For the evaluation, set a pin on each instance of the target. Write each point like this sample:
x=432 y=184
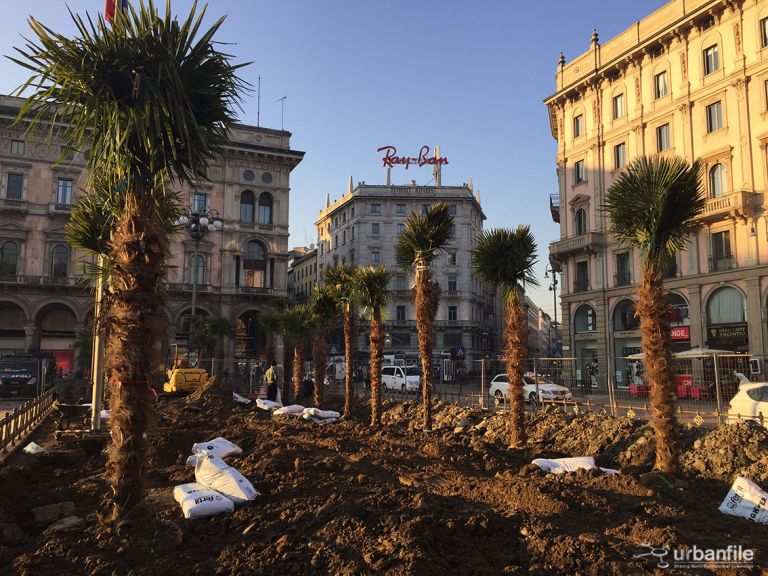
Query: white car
x=548 y=390
x=749 y=402
x=402 y=378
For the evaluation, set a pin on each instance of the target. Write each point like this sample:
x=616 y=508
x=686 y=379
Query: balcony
x=721 y=264
x=11 y=204
x=581 y=285
x=450 y=293
x=402 y=294
x=589 y=242
x=737 y=205
x=187 y=287
x=554 y=207
x=54 y=208
x=622 y=278
x=18 y=280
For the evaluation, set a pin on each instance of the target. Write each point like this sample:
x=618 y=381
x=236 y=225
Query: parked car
x=403 y=378
x=750 y=400
x=548 y=390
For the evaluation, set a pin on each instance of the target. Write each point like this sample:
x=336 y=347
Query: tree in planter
x=338 y=279
x=296 y=324
x=143 y=131
x=370 y=290
x=324 y=312
x=423 y=237
x=505 y=258
x=653 y=206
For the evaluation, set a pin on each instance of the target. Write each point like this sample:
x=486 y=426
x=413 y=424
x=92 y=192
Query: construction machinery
x=184 y=377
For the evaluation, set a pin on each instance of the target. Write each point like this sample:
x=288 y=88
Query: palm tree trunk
x=377 y=355
x=349 y=354
x=516 y=351
x=288 y=353
x=652 y=308
x=298 y=370
x=134 y=322
x=426 y=308
x=319 y=357
x=271 y=347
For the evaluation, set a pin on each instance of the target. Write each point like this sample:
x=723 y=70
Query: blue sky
x=361 y=74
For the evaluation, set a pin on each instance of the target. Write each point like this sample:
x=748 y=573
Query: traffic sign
x=460 y=352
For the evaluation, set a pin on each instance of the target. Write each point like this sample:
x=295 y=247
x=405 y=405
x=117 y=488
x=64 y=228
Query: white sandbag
x=240 y=399
x=212 y=472
x=608 y=470
x=183 y=490
x=105 y=414
x=560 y=465
x=746 y=499
x=33 y=448
x=293 y=410
x=322 y=413
x=206 y=503
x=317 y=420
x=268 y=404
x=220 y=447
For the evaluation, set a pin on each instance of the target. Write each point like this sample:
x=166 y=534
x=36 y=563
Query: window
x=343 y=217
x=375 y=228
x=15 y=189
x=199 y=203
x=721 y=251
x=400 y=314
x=452 y=209
x=60 y=261
x=764 y=33
x=336 y=222
x=717 y=183
x=424 y=208
x=662 y=138
x=247 y=207
x=400 y=283
x=714 y=117
x=582 y=277
x=9 y=259
x=622 y=269
x=578 y=125
x=452 y=339
x=375 y=208
x=344 y=237
x=335 y=240
x=197 y=270
x=400 y=209
x=453 y=313
x=660 y=88
x=255 y=265
x=618 y=106
x=17 y=147
x=400 y=228
x=624 y=317
x=352 y=212
x=727 y=306
x=581 y=222
x=578 y=172
x=619 y=155
x=375 y=258
x=451 y=258
x=451 y=284
x=64 y=191
x=585 y=319
x=265 y=208
x=711 y=60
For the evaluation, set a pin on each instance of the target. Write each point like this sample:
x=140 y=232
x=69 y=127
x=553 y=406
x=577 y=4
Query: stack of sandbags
x=270 y=405
x=292 y=410
x=320 y=416
x=212 y=472
x=197 y=501
x=747 y=500
x=220 y=447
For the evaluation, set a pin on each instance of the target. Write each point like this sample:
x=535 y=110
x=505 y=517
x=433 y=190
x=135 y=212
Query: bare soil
x=348 y=499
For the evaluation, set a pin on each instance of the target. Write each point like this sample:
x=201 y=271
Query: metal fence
x=22 y=420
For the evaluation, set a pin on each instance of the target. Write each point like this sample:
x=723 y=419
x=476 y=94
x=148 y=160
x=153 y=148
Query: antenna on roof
x=258 y=103
x=282 y=111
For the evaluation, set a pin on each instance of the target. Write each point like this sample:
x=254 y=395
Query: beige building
x=237 y=271
x=302 y=273
x=691 y=79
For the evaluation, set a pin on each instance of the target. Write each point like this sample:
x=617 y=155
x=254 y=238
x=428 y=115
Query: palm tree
x=270 y=323
x=423 y=237
x=296 y=323
x=653 y=206
x=211 y=331
x=324 y=311
x=143 y=131
x=370 y=289
x=505 y=258
x=339 y=280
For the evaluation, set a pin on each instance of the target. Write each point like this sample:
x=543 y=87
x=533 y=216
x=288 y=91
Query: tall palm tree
x=211 y=331
x=324 y=312
x=143 y=131
x=370 y=289
x=505 y=258
x=653 y=206
x=339 y=280
x=423 y=237
x=270 y=323
x=297 y=326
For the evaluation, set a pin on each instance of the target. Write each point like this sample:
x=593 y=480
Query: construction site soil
x=348 y=499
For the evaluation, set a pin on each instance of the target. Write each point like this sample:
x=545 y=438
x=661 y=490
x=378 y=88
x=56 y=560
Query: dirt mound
x=729 y=451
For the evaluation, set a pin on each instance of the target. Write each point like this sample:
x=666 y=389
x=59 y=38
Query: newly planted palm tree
x=370 y=289
x=505 y=258
x=339 y=281
x=653 y=206
x=150 y=98
x=422 y=239
x=324 y=313
x=210 y=332
x=270 y=323
x=297 y=326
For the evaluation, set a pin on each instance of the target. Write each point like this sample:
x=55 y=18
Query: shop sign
x=725 y=331
x=391 y=159
x=681 y=333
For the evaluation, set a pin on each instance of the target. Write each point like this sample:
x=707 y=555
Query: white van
x=405 y=379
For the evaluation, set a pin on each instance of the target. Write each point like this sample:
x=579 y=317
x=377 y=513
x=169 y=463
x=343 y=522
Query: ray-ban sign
x=391 y=159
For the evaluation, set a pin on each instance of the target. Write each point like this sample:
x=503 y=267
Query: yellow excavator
x=184 y=377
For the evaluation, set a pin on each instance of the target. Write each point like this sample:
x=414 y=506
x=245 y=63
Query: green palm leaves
x=424 y=236
x=505 y=257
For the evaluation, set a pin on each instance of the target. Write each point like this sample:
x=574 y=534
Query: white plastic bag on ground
x=325 y=414
x=33 y=448
x=240 y=399
x=183 y=490
x=317 y=420
x=268 y=404
x=220 y=447
x=560 y=465
x=293 y=410
x=206 y=503
x=212 y=472
x=746 y=499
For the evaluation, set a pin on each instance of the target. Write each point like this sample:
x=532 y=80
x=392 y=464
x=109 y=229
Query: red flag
x=113 y=5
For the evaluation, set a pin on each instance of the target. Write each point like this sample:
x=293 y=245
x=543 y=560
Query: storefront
x=626 y=342
x=585 y=347
x=679 y=323
x=727 y=320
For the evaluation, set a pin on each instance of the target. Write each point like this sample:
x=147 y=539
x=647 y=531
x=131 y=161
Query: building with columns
x=690 y=79
x=238 y=272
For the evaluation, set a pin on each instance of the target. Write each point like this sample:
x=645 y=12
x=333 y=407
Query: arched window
x=678 y=310
x=197 y=269
x=255 y=265
x=247 y=207
x=585 y=319
x=265 y=208
x=717 y=184
x=624 y=316
x=60 y=261
x=726 y=306
x=581 y=222
x=9 y=259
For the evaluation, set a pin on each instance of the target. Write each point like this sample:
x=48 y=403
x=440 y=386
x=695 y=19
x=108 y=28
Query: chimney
x=349 y=187
x=327 y=199
x=389 y=176
x=470 y=184
x=436 y=172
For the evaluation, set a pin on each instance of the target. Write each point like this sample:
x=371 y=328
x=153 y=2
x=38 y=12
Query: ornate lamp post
x=198 y=224
x=553 y=289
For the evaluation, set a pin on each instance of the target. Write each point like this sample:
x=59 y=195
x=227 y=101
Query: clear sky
x=469 y=77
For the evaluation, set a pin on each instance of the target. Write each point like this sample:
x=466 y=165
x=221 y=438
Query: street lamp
x=553 y=289
x=198 y=224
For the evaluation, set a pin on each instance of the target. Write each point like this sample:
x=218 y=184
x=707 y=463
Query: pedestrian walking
x=270 y=378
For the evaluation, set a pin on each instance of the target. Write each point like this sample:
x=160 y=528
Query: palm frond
x=504 y=257
x=424 y=235
x=370 y=286
x=338 y=279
